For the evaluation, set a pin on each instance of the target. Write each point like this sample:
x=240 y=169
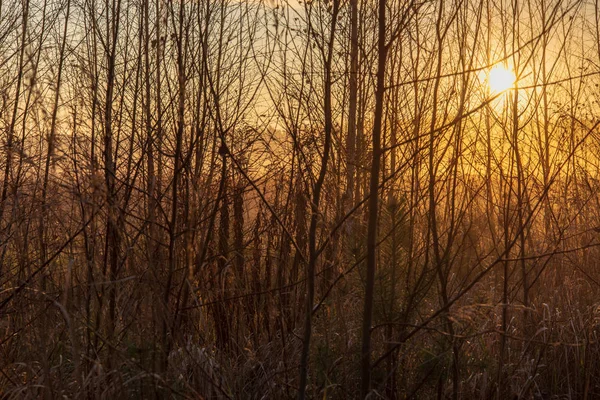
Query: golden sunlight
x=500 y=78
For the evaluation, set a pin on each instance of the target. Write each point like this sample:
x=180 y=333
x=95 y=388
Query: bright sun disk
x=500 y=79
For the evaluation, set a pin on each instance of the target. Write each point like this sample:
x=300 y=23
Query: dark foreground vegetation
x=328 y=199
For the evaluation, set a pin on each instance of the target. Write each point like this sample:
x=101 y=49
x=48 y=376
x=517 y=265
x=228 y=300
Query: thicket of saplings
x=330 y=199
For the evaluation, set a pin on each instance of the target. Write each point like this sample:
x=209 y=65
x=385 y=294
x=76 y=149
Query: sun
x=500 y=78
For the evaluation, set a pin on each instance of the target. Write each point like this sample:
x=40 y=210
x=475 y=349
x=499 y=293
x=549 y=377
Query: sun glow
x=500 y=79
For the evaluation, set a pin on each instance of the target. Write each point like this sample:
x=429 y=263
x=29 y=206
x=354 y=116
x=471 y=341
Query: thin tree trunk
x=315 y=204
x=373 y=205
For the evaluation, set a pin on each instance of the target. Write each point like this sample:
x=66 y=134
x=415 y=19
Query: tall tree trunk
x=315 y=204
x=353 y=99
x=373 y=206
x=111 y=247
x=15 y=112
